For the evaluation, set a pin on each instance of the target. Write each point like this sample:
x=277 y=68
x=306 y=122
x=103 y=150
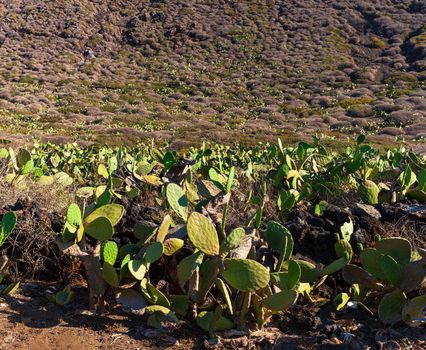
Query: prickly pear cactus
x=203 y=234
x=109 y=252
x=172 y=245
x=280 y=301
x=100 y=228
x=390 y=307
x=114 y=213
x=369 y=192
x=232 y=241
x=279 y=239
x=74 y=215
x=177 y=200
x=245 y=275
x=7 y=225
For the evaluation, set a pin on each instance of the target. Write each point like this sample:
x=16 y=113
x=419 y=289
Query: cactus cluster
x=186 y=258
x=392 y=270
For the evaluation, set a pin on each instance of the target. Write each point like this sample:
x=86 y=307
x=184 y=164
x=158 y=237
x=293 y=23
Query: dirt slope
x=124 y=70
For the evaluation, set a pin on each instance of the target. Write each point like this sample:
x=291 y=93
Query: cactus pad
x=398 y=248
x=205 y=318
x=114 y=212
x=177 y=200
x=109 y=252
x=100 y=228
x=390 y=307
x=109 y=274
x=369 y=192
x=203 y=234
x=137 y=269
x=232 y=241
x=188 y=265
x=370 y=260
x=353 y=274
x=172 y=245
x=280 y=301
x=153 y=252
x=74 y=215
x=279 y=239
x=164 y=228
x=246 y=275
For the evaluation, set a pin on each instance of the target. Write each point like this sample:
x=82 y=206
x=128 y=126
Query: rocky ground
x=123 y=71
x=28 y=320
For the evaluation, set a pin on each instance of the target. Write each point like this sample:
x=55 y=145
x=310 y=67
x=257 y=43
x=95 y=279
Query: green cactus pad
x=221 y=285
x=188 y=265
x=414 y=311
x=209 y=271
x=123 y=267
x=137 y=269
x=370 y=260
x=172 y=245
x=145 y=292
x=353 y=274
x=109 y=252
x=279 y=239
x=397 y=247
x=114 y=212
x=293 y=274
x=232 y=241
x=280 y=301
x=418 y=195
x=177 y=200
x=245 y=275
x=131 y=249
x=390 y=307
x=100 y=228
x=144 y=168
x=289 y=279
x=163 y=311
x=203 y=234
x=74 y=215
x=343 y=249
x=23 y=157
x=157 y=297
x=180 y=303
x=103 y=171
x=144 y=231
x=391 y=269
x=341 y=300
x=153 y=252
x=333 y=267
x=109 y=274
x=205 y=319
x=369 y=192
x=8 y=223
x=309 y=272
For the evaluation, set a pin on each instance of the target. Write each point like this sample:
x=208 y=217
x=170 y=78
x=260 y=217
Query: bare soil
x=29 y=321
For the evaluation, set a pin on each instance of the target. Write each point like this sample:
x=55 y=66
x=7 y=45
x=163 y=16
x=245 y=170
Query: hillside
x=124 y=71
